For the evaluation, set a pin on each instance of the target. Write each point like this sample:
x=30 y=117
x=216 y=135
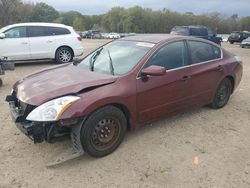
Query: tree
x=7 y=11
x=69 y=17
x=24 y=11
x=118 y=19
x=43 y=13
x=78 y=24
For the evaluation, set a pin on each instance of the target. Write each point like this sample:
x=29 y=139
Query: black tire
x=222 y=94
x=231 y=42
x=98 y=140
x=1 y=82
x=64 y=55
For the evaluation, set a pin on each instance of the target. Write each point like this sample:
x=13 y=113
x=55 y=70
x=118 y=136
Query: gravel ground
x=199 y=148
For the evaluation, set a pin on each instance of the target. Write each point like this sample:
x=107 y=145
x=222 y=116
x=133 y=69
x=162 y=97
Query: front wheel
x=103 y=131
x=222 y=94
x=64 y=55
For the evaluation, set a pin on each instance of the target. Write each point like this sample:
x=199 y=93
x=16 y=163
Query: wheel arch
x=125 y=111
x=121 y=107
x=64 y=46
x=232 y=80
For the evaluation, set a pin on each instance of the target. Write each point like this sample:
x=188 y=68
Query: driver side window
x=17 y=32
x=170 y=56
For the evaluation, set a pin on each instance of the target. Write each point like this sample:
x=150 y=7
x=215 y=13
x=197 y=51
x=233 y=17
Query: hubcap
x=223 y=94
x=64 y=56
x=105 y=134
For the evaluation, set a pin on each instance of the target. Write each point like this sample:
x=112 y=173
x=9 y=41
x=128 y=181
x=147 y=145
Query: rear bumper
x=245 y=44
x=78 y=51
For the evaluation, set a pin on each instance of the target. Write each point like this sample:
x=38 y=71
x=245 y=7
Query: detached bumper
x=34 y=130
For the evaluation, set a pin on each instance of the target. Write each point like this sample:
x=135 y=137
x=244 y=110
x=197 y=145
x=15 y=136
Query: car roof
x=154 y=38
x=38 y=24
x=190 y=26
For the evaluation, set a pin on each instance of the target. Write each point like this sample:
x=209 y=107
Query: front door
x=160 y=95
x=15 y=45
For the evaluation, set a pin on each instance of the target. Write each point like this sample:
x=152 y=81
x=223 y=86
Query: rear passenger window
x=37 y=31
x=201 y=51
x=58 y=31
x=171 y=56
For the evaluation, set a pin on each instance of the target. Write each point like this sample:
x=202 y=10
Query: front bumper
x=34 y=130
x=38 y=131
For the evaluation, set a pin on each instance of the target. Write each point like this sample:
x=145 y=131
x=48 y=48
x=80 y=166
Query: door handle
x=24 y=43
x=220 y=68
x=49 y=41
x=185 y=78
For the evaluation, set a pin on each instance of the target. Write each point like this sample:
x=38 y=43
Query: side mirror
x=2 y=35
x=154 y=70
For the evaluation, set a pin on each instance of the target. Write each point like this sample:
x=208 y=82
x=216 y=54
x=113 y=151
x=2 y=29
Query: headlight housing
x=51 y=110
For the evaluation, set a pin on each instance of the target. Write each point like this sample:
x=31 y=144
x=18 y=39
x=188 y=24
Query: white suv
x=36 y=41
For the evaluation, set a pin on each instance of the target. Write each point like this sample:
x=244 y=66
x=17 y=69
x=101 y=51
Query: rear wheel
x=231 y=42
x=64 y=55
x=103 y=131
x=1 y=82
x=222 y=94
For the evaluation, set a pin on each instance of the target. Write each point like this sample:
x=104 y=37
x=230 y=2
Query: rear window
x=198 y=31
x=235 y=34
x=178 y=30
x=202 y=52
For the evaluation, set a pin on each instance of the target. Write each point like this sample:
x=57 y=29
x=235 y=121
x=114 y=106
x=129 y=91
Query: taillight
x=79 y=38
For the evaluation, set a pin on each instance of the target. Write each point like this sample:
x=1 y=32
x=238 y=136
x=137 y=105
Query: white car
x=38 y=41
x=245 y=43
x=113 y=36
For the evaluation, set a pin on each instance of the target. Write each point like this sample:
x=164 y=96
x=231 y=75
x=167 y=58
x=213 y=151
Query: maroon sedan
x=120 y=86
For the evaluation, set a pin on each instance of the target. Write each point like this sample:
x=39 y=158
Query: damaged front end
x=39 y=131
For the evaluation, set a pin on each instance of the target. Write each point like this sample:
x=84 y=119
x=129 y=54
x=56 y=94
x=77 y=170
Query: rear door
x=160 y=95
x=41 y=42
x=206 y=71
x=15 y=45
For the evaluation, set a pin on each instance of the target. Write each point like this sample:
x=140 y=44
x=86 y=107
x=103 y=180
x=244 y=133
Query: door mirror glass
x=2 y=35
x=154 y=70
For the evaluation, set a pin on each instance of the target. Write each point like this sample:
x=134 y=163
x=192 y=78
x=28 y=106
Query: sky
x=225 y=7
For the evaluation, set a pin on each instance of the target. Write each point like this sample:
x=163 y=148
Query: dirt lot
x=199 y=148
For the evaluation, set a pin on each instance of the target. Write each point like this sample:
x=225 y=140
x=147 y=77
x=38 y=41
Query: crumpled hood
x=57 y=81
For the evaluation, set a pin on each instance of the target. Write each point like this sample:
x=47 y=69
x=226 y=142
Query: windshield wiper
x=111 y=67
x=93 y=59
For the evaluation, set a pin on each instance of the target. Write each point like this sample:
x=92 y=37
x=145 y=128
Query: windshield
x=118 y=57
x=3 y=29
